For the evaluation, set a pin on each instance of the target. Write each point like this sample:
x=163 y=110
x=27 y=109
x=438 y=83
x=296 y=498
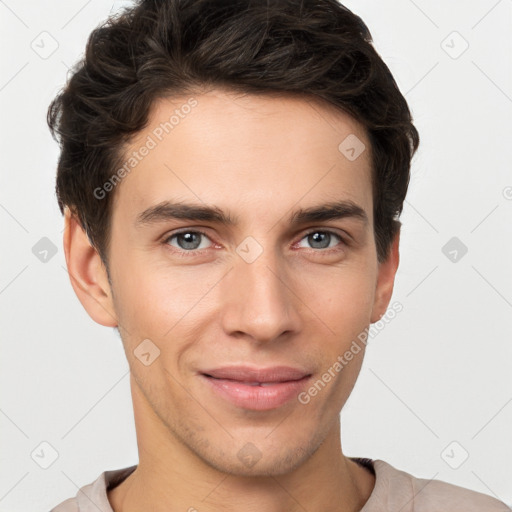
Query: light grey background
x=436 y=382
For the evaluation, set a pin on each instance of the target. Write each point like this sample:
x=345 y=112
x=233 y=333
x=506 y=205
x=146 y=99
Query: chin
x=261 y=458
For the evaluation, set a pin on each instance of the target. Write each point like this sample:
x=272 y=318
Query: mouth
x=249 y=374
x=256 y=389
x=245 y=383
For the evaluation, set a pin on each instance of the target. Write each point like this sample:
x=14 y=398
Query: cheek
x=161 y=304
x=343 y=298
x=347 y=311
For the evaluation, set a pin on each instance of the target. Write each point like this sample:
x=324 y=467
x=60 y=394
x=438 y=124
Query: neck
x=170 y=477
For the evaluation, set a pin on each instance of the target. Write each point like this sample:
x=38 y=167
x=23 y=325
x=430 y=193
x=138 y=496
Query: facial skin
x=259 y=159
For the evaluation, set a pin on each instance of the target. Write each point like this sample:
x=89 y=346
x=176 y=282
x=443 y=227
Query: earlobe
x=87 y=273
x=386 y=280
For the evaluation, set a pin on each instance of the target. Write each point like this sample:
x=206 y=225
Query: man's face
x=263 y=291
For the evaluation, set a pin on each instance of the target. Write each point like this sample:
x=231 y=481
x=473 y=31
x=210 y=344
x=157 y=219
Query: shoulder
x=399 y=490
x=70 y=505
x=93 y=496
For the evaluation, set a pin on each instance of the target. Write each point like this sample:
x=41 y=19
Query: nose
x=259 y=300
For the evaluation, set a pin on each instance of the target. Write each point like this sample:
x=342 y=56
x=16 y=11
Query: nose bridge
x=258 y=300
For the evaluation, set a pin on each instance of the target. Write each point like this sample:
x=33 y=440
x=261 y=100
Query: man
x=231 y=175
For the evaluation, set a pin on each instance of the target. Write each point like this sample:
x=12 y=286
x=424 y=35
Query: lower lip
x=257 y=398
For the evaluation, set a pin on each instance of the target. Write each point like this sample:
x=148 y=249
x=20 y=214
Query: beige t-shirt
x=394 y=491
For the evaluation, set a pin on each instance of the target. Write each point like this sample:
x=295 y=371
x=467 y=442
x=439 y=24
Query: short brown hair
x=165 y=48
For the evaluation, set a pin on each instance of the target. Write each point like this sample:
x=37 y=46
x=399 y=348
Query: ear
x=386 y=280
x=87 y=273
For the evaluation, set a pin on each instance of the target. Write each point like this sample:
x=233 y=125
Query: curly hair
x=166 y=48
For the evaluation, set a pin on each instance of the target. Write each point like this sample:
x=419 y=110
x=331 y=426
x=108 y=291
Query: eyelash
x=195 y=252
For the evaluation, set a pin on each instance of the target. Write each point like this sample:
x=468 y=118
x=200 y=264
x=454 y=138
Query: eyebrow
x=168 y=210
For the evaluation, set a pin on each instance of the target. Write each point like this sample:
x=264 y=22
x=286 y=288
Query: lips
x=256 y=389
x=257 y=376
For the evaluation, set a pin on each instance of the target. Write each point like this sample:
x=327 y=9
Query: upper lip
x=251 y=374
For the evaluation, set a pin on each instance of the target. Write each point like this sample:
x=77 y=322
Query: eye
x=187 y=240
x=321 y=239
x=191 y=241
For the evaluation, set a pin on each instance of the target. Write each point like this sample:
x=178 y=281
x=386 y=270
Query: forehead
x=219 y=146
